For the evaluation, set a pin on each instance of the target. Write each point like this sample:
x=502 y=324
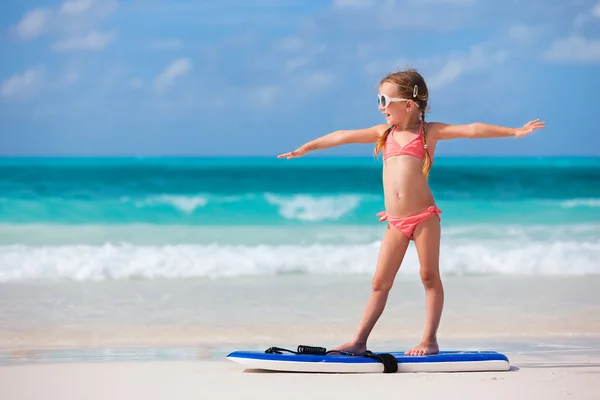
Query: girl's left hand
x=299 y=152
x=530 y=127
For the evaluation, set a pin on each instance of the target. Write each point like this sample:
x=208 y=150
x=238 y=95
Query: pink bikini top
x=415 y=147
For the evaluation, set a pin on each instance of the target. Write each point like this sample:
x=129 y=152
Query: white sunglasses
x=383 y=100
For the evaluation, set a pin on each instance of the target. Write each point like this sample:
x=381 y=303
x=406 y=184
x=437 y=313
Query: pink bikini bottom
x=407 y=225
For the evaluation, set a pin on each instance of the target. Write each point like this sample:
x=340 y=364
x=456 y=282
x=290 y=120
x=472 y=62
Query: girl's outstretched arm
x=337 y=138
x=477 y=130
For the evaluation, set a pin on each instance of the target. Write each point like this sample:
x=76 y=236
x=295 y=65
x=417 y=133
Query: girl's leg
x=392 y=251
x=427 y=242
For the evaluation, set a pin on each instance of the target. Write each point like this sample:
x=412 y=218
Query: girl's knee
x=381 y=285
x=430 y=277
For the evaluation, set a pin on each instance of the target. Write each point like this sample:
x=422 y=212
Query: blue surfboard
x=444 y=361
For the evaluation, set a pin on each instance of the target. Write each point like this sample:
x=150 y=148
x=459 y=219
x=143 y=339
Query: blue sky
x=243 y=77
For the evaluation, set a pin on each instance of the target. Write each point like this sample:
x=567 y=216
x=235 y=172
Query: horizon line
x=337 y=156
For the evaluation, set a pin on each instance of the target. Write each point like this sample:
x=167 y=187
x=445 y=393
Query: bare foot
x=350 y=347
x=424 y=348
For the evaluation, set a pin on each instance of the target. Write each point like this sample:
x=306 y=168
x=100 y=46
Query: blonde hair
x=410 y=85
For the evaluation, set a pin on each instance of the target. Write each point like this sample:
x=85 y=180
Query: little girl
x=408 y=144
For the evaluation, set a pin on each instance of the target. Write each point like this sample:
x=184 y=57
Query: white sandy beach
x=100 y=340
x=554 y=376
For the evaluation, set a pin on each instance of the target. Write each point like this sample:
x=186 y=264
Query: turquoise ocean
x=89 y=219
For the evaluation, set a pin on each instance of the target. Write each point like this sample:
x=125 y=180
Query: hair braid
x=427 y=161
x=381 y=141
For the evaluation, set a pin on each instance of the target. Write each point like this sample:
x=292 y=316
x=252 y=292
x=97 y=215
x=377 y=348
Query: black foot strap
x=390 y=364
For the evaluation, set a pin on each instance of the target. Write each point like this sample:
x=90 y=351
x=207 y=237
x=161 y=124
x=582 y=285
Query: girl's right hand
x=530 y=127
x=299 y=152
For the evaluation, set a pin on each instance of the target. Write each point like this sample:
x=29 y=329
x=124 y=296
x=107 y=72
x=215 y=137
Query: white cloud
x=136 y=83
x=304 y=54
x=112 y=76
x=478 y=58
x=318 y=80
x=586 y=17
x=265 y=95
x=450 y=2
x=574 y=49
x=75 y=7
x=36 y=81
x=581 y=20
x=71 y=21
x=23 y=86
x=386 y=16
x=166 y=44
x=81 y=17
x=296 y=63
x=32 y=24
x=524 y=34
x=289 y=44
x=91 y=41
x=596 y=10
x=176 y=70
x=442 y=70
x=355 y=4
x=70 y=77
x=450 y=72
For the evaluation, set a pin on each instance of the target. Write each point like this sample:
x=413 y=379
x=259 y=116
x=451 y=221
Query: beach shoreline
x=555 y=375
x=288 y=309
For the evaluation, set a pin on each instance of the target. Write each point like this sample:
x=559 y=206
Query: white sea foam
x=593 y=203
x=85 y=262
x=311 y=208
x=186 y=204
